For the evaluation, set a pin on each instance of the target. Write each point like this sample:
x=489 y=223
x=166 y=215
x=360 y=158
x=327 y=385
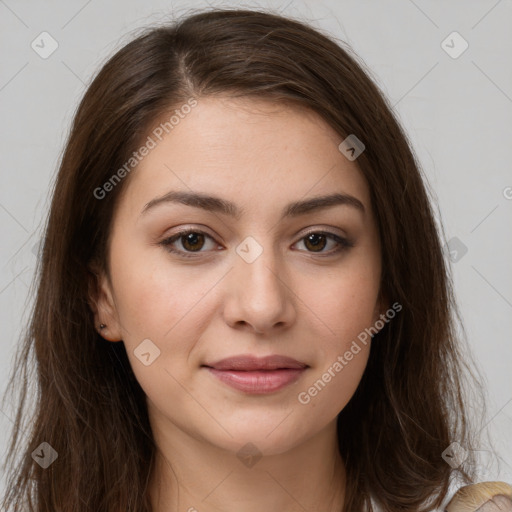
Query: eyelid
x=342 y=241
x=324 y=230
x=168 y=241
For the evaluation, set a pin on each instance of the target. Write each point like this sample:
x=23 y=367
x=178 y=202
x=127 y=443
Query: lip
x=256 y=375
x=252 y=363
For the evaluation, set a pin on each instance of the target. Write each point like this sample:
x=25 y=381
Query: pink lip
x=257 y=375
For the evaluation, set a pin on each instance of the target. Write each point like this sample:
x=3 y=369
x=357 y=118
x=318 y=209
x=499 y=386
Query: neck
x=192 y=475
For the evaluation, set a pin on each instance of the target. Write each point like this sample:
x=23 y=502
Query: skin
x=291 y=300
x=499 y=503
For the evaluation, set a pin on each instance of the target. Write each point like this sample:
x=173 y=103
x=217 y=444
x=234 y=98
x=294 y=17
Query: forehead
x=256 y=153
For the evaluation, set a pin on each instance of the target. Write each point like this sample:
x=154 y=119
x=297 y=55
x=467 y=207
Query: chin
x=265 y=438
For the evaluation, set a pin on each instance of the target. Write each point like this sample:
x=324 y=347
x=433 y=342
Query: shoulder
x=482 y=497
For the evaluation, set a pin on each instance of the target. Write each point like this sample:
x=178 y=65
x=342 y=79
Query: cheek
x=345 y=300
x=163 y=307
x=342 y=354
x=152 y=295
x=331 y=387
x=166 y=303
x=345 y=311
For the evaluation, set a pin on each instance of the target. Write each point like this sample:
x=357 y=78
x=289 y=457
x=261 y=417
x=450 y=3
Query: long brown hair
x=409 y=406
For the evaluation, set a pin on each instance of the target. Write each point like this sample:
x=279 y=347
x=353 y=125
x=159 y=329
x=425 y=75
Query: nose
x=259 y=296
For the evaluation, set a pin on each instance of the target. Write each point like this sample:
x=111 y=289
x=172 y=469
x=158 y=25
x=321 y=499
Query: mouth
x=257 y=375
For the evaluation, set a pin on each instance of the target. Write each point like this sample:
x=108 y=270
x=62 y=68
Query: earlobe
x=101 y=302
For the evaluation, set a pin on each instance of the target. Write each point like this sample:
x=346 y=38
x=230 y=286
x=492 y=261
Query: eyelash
x=344 y=244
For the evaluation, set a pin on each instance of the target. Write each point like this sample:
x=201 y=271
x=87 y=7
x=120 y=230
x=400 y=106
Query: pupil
x=191 y=239
x=314 y=239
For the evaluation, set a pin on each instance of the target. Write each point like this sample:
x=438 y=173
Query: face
x=257 y=278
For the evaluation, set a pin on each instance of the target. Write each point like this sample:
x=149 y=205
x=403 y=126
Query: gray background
x=457 y=112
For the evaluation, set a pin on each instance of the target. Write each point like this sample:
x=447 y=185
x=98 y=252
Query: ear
x=101 y=302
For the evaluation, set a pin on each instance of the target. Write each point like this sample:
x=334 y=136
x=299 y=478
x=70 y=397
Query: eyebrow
x=217 y=204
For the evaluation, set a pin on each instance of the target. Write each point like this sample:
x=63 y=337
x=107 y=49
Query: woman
x=243 y=302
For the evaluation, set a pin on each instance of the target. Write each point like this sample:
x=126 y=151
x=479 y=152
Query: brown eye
x=315 y=241
x=191 y=241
